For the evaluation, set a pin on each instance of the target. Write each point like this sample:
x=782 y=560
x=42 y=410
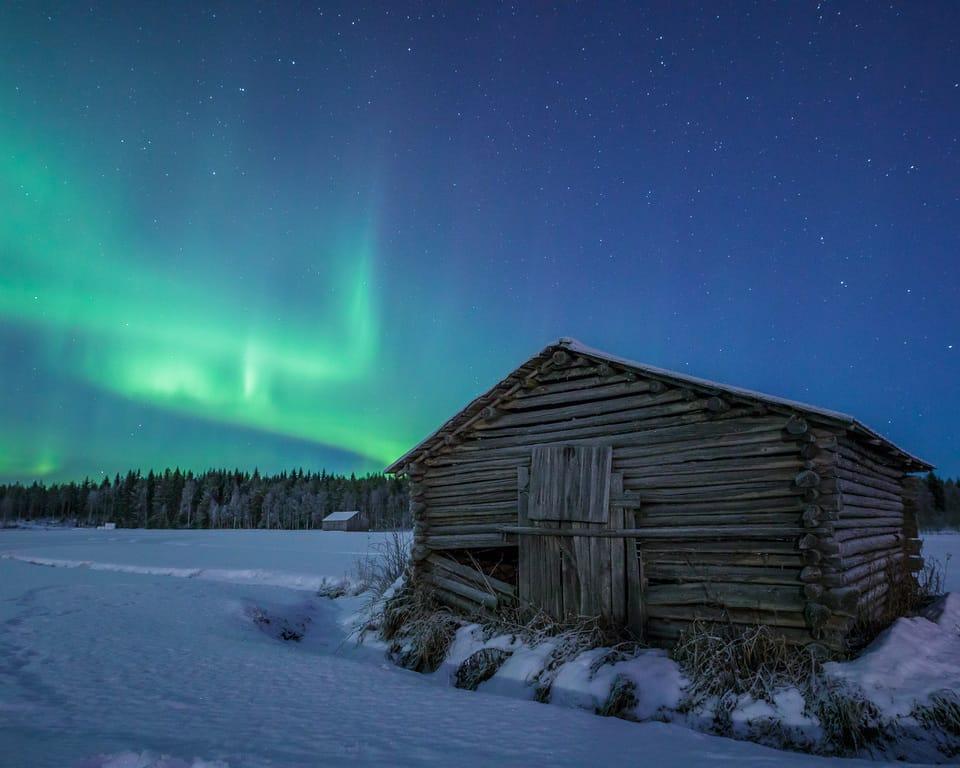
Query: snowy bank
x=893 y=702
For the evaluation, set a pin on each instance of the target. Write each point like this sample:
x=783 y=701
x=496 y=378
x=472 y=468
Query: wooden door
x=567 y=497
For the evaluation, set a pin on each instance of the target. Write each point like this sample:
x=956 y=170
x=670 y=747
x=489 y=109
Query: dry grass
x=418 y=630
x=849 y=720
x=622 y=698
x=726 y=661
x=480 y=667
x=906 y=595
x=942 y=714
x=379 y=570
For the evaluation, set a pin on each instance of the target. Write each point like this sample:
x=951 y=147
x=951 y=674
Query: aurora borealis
x=254 y=236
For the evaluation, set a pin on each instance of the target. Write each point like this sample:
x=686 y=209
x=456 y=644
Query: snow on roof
x=337 y=517
x=579 y=348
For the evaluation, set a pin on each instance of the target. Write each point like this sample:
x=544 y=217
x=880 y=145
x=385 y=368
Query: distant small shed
x=584 y=484
x=350 y=520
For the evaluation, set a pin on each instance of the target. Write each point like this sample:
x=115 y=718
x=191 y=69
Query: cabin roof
x=338 y=517
x=835 y=418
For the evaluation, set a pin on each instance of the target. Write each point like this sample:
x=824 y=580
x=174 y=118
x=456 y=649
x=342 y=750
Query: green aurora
x=145 y=334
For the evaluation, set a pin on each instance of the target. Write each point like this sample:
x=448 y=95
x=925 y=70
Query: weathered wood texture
x=570 y=483
x=576 y=562
x=745 y=514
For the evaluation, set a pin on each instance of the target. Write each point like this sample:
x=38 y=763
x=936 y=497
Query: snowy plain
x=128 y=649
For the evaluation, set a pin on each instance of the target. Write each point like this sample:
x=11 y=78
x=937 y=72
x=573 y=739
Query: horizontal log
x=845 y=522
x=452 y=463
x=625 y=406
x=709 y=436
x=583 y=390
x=674 y=532
x=688 y=558
x=865 y=582
x=466 y=541
x=693 y=429
x=745 y=479
x=850 y=534
x=523 y=424
x=471 y=507
x=731 y=595
x=758 y=463
x=871 y=544
x=702 y=548
x=872 y=560
x=647 y=520
x=621 y=433
x=468 y=479
x=659 y=571
x=863 y=558
x=869 y=503
x=571 y=373
x=849 y=487
x=846 y=470
x=714 y=493
x=466 y=528
x=724 y=453
x=788 y=503
x=670 y=621
x=858 y=457
x=502 y=482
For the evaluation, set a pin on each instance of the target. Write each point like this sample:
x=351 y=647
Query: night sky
x=232 y=235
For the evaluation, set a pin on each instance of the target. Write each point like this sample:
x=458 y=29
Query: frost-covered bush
x=418 y=631
x=480 y=667
x=622 y=699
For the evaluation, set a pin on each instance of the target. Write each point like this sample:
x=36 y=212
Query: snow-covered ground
x=142 y=644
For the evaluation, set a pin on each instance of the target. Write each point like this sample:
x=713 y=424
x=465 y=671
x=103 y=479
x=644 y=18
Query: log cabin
x=584 y=484
x=347 y=520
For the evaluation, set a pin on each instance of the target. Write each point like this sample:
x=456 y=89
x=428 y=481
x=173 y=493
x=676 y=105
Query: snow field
x=163 y=649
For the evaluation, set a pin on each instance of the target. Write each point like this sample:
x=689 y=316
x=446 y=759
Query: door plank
x=525 y=570
x=634 y=568
x=618 y=575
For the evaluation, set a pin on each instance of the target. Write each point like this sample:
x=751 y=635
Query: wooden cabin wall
x=873 y=532
x=729 y=493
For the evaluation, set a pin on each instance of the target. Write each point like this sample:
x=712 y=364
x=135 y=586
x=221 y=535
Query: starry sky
x=249 y=235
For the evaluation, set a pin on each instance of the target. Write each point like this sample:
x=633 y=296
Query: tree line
x=938 y=502
x=216 y=498
x=222 y=498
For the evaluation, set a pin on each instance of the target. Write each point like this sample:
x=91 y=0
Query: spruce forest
x=293 y=500
x=213 y=499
